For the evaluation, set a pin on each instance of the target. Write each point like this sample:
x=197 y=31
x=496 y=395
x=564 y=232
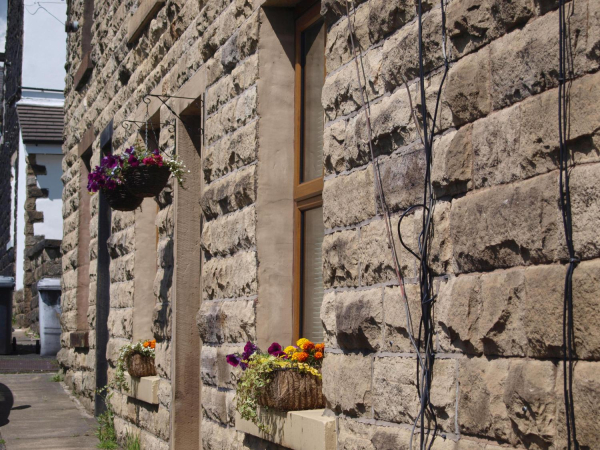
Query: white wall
x=51 y=227
x=45 y=47
x=21 y=194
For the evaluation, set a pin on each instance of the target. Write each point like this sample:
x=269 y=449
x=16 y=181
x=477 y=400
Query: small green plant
x=14 y=318
x=132 y=442
x=57 y=377
x=105 y=432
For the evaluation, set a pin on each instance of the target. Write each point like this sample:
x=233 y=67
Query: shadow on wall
x=6 y=402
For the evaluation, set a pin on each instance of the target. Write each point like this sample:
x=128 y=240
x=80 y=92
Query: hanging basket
x=147 y=181
x=122 y=200
x=293 y=391
x=141 y=366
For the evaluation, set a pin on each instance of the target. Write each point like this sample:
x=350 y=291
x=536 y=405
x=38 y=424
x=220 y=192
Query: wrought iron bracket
x=141 y=124
x=198 y=102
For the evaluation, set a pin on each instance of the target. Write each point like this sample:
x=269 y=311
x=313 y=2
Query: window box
x=144 y=389
x=297 y=430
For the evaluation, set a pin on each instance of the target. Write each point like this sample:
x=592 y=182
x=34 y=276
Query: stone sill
x=144 y=389
x=142 y=17
x=297 y=430
x=79 y=339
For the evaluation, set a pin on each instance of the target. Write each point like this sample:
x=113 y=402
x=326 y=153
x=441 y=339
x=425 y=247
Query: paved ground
x=25 y=360
x=36 y=413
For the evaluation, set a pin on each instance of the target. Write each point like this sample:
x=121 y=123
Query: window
x=308 y=177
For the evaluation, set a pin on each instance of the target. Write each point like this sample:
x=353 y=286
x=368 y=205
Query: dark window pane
x=313 y=77
x=312 y=274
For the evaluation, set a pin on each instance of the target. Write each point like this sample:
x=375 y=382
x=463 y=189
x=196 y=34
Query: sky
x=3 y=6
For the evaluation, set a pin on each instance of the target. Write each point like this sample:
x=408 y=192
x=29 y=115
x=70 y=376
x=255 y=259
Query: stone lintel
x=79 y=339
x=144 y=389
x=144 y=14
x=297 y=430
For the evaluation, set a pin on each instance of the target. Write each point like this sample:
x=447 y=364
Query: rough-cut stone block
x=499 y=390
x=231 y=233
x=340 y=259
x=353 y=396
x=452 y=171
x=230 y=277
x=233 y=115
x=214 y=369
x=396 y=326
x=218 y=405
x=507 y=226
x=227 y=321
x=341 y=94
x=216 y=436
x=467 y=91
x=376 y=263
x=402 y=179
x=473 y=23
x=349 y=199
x=400 y=53
x=395 y=396
x=585 y=206
x=232 y=152
x=229 y=194
x=525 y=62
x=359 y=319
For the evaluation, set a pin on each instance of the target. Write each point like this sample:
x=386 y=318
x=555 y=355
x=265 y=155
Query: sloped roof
x=41 y=123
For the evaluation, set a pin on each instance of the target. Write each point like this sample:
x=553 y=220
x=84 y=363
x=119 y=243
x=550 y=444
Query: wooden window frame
x=307 y=195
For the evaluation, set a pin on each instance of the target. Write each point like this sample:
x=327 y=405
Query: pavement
x=37 y=413
x=25 y=360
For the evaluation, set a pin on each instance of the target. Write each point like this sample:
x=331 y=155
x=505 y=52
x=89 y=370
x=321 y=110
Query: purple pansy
x=249 y=350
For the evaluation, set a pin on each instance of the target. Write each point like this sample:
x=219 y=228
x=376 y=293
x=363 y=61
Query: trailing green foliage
x=132 y=442
x=57 y=377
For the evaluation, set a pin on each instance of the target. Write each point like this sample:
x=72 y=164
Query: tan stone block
x=400 y=52
x=340 y=259
x=231 y=193
x=396 y=327
x=498 y=392
x=214 y=369
x=218 y=405
x=472 y=24
x=467 y=91
x=341 y=94
x=217 y=437
x=359 y=319
x=507 y=226
x=402 y=179
x=227 y=321
x=232 y=152
x=120 y=322
x=585 y=209
x=395 y=394
x=349 y=199
x=230 y=277
x=163 y=359
x=328 y=319
x=354 y=396
x=229 y=234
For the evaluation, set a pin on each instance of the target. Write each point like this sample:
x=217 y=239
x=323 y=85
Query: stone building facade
x=209 y=266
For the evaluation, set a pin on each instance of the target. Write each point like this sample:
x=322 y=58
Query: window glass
x=313 y=74
x=312 y=274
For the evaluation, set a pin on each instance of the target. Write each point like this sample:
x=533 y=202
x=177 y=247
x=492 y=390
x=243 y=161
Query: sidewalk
x=25 y=360
x=37 y=413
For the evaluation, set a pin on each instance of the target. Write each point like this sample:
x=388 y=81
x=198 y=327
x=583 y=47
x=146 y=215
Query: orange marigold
x=146 y=344
x=318 y=355
x=320 y=347
x=153 y=344
x=302 y=356
x=309 y=346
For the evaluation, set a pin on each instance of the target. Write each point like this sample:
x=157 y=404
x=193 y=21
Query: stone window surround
x=80 y=337
x=146 y=11
x=82 y=74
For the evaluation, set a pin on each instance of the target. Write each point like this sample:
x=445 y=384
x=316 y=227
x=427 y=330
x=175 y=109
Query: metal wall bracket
x=198 y=102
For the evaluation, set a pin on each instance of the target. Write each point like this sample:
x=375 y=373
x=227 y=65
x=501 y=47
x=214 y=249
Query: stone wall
x=10 y=145
x=498 y=243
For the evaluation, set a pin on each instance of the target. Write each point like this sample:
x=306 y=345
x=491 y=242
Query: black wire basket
x=147 y=181
x=121 y=199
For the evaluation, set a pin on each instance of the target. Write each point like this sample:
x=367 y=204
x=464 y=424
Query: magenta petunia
x=274 y=348
x=233 y=360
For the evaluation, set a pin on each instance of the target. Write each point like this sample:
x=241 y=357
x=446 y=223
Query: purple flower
x=233 y=360
x=133 y=161
x=129 y=151
x=249 y=350
x=274 y=348
x=156 y=152
x=243 y=365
